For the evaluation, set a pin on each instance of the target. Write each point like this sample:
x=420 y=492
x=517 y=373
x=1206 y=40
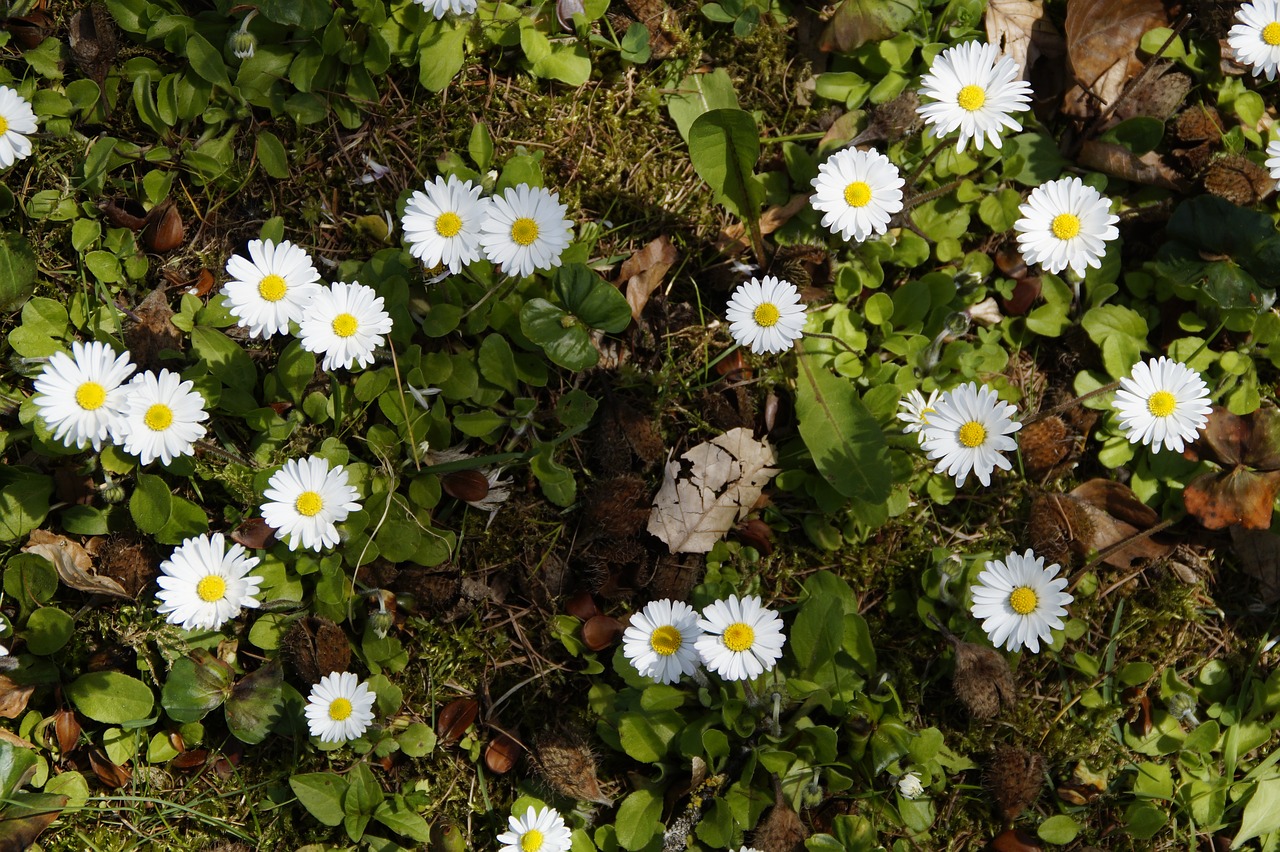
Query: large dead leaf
x=710 y=489
x=29 y=815
x=1102 y=46
x=75 y=566
x=1249 y=448
x=1021 y=31
x=642 y=273
x=13 y=697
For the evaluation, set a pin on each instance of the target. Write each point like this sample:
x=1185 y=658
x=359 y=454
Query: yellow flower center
x=345 y=325
x=448 y=224
x=1023 y=600
x=739 y=637
x=339 y=709
x=211 y=588
x=766 y=315
x=272 y=288
x=524 y=231
x=1162 y=403
x=1271 y=33
x=857 y=194
x=531 y=841
x=309 y=504
x=973 y=433
x=158 y=417
x=4 y=124
x=90 y=396
x=925 y=412
x=1065 y=226
x=971 y=97
x=665 y=641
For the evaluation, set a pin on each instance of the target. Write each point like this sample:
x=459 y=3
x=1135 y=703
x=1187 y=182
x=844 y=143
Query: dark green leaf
x=559 y=334
x=196 y=685
x=271 y=153
x=256 y=704
x=151 y=504
x=48 y=630
x=17 y=271
x=846 y=442
x=207 y=61
x=592 y=299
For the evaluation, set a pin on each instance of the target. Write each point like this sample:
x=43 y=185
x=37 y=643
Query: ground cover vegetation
x=575 y=425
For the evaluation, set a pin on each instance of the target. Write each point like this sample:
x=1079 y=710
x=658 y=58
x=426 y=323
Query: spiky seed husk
x=129 y=562
x=1198 y=123
x=434 y=590
x=781 y=829
x=565 y=758
x=982 y=680
x=1014 y=776
x=314 y=647
x=616 y=507
x=1044 y=444
x=1237 y=179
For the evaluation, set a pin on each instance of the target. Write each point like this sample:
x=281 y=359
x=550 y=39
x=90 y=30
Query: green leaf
x=30 y=579
x=556 y=480
x=818 y=632
x=185 y=520
x=1139 y=134
x=321 y=793
x=1121 y=334
x=396 y=815
x=207 y=61
x=857 y=22
x=440 y=53
x=256 y=704
x=560 y=335
x=48 y=630
x=111 y=697
x=699 y=93
x=361 y=800
x=646 y=736
x=569 y=63
x=847 y=444
x=271 y=153
x=480 y=146
x=45 y=317
x=637 y=820
x=14 y=764
x=224 y=357
x=196 y=685
x=497 y=363
x=24 y=503
x=417 y=740
x=1261 y=813
x=295 y=370
x=1058 y=829
x=151 y=504
x=724 y=145
x=592 y=299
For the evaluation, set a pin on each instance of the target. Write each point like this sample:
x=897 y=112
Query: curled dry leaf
x=1021 y=31
x=1119 y=161
x=1093 y=517
x=1249 y=447
x=710 y=489
x=164 y=230
x=74 y=565
x=67 y=729
x=1102 y=46
x=112 y=776
x=13 y=697
x=642 y=273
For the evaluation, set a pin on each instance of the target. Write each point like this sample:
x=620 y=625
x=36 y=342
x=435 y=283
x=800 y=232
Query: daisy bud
x=909 y=786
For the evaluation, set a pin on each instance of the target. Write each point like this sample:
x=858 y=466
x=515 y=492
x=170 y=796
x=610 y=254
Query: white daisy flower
x=1255 y=39
x=968 y=430
x=203 y=584
x=17 y=121
x=526 y=230
x=1273 y=159
x=1065 y=223
x=538 y=831
x=974 y=89
x=1163 y=402
x=765 y=316
x=909 y=786
x=1019 y=601
x=857 y=193
x=306 y=500
x=161 y=417
x=339 y=708
x=271 y=288
x=442 y=222
x=660 y=640
x=440 y=7
x=915 y=411
x=79 y=396
x=741 y=639
x=345 y=322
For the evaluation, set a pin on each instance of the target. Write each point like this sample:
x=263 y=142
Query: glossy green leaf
x=724 y=145
x=111 y=697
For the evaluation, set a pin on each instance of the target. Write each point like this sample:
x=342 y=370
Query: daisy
x=974 y=89
x=1163 y=402
x=1065 y=223
x=1255 y=39
x=765 y=316
x=526 y=229
x=306 y=500
x=538 y=831
x=271 y=288
x=339 y=708
x=1020 y=601
x=161 y=417
x=857 y=193
x=915 y=411
x=346 y=323
x=440 y=7
x=1273 y=160
x=660 y=640
x=442 y=221
x=741 y=639
x=79 y=397
x=203 y=584
x=967 y=431
x=909 y=786
x=17 y=120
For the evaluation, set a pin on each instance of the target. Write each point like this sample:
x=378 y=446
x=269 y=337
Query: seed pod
x=67 y=728
x=1014 y=777
x=982 y=680
x=600 y=632
x=163 y=230
x=564 y=757
x=755 y=532
x=468 y=486
x=314 y=647
x=502 y=754
x=582 y=606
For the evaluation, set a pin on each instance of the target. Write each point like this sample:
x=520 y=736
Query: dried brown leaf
x=13 y=697
x=455 y=718
x=112 y=776
x=1259 y=552
x=1102 y=46
x=642 y=273
x=1021 y=31
x=1241 y=496
x=19 y=832
x=1119 y=161
x=74 y=565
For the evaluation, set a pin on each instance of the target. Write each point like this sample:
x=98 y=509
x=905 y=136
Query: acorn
x=163 y=230
x=565 y=759
x=600 y=632
x=469 y=486
x=502 y=754
x=1014 y=777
